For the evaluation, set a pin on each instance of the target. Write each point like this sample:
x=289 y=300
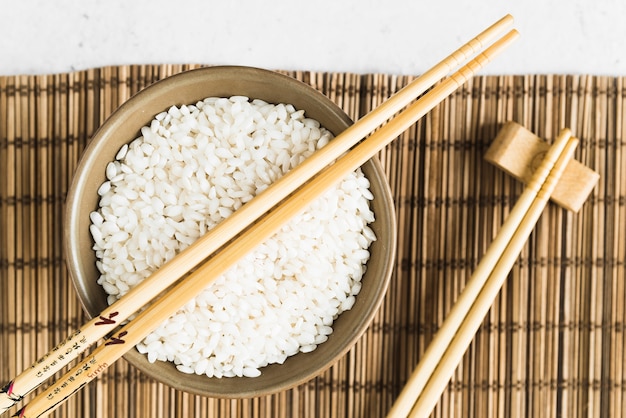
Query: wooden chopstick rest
x=519 y=152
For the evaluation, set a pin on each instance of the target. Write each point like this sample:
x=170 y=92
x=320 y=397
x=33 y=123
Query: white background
x=361 y=36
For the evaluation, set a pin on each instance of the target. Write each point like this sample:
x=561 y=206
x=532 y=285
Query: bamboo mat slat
x=553 y=344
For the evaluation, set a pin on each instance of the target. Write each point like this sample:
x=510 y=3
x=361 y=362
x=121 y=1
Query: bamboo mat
x=553 y=344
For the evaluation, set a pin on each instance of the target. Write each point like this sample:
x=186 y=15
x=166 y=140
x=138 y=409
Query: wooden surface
x=552 y=344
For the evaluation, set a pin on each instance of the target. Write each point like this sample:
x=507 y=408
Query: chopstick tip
x=507 y=19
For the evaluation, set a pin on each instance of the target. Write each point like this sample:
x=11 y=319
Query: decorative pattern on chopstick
x=445 y=351
x=110 y=318
x=134 y=331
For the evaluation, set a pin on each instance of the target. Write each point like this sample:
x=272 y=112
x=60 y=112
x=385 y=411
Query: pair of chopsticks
x=242 y=232
x=431 y=376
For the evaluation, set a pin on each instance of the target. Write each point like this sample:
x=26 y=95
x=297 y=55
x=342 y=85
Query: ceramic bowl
x=187 y=88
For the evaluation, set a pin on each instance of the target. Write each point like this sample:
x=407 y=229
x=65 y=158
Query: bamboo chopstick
x=133 y=332
x=443 y=355
x=230 y=227
x=476 y=315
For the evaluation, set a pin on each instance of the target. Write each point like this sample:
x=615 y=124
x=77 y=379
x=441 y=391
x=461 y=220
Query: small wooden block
x=519 y=152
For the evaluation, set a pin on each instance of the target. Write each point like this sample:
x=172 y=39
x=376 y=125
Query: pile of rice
x=190 y=169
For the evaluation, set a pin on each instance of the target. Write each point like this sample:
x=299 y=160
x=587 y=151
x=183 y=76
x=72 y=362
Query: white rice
x=191 y=168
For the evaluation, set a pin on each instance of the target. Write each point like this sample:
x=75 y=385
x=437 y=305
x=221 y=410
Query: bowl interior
x=187 y=88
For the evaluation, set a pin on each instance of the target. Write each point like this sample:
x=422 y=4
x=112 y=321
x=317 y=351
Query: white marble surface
x=362 y=36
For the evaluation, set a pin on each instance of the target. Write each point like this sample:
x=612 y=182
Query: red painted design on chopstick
x=20 y=413
x=117 y=340
x=107 y=321
x=9 y=388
